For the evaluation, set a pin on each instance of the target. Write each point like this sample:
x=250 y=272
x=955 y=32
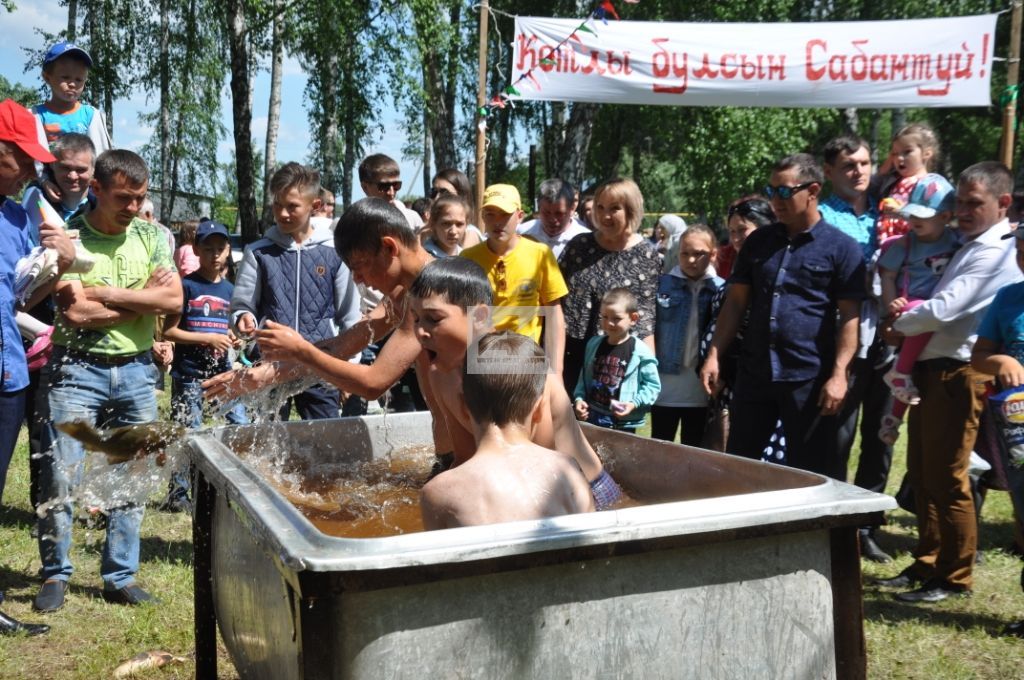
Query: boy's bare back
x=506 y=483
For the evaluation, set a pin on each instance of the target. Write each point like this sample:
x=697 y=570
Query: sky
x=18 y=29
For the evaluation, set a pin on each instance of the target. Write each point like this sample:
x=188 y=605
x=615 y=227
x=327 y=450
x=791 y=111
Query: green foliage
x=195 y=65
x=26 y=96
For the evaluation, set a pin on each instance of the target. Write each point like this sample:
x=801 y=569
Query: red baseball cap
x=18 y=126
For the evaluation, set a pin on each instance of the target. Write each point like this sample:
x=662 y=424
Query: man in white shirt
x=943 y=428
x=379 y=178
x=555 y=226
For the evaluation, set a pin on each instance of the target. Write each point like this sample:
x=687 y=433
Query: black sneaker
x=131 y=594
x=935 y=590
x=904 y=579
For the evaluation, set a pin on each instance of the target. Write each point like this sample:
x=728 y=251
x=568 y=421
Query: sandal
x=889 y=432
x=902 y=387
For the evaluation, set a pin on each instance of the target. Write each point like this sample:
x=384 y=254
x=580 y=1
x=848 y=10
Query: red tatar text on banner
x=821 y=64
x=567 y=60
x=669 y=64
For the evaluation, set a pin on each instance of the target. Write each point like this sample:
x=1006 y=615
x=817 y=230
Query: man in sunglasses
x=802 y=281
x=849 y=209
x=379 y=178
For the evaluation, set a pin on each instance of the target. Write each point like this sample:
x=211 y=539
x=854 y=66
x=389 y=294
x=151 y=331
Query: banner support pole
x=1012 y=81
x=481 y=101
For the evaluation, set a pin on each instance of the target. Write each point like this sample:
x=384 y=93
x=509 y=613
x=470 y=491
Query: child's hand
x=624 y=409
x=221 y=343
x=896 y=306
x=1011 y=373
x=163 y=352
x=247 y=324
x=278 y=342
x=236 y=342
x=582 y=409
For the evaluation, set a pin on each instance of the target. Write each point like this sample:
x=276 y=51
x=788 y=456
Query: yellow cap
x=504 y=197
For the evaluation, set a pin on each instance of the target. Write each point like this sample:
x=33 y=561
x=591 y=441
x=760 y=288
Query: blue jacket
x=306 y=287
x=13 y=246
x=641 y=384
x=673 y=316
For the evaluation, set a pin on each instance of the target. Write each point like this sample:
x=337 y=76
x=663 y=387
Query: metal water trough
x=736 y=569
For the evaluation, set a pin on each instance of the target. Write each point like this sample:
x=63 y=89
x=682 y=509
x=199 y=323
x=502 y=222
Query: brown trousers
x=942 y=431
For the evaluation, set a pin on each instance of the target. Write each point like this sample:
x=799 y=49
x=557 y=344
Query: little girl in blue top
x=683 y=311
x=619 y=380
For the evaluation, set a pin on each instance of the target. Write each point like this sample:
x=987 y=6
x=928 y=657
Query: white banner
x=913 y=63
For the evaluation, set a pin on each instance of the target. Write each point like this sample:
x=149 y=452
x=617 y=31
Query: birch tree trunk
x=274 y=110
x=72 y=20
x=241 y=105
x=164 y=131
x=578 y=132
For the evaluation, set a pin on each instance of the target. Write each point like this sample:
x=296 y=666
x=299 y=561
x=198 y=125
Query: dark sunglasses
x=784 y=192
x=500 y=278
x=754 y=206
x=384 y=186
x=438 y=191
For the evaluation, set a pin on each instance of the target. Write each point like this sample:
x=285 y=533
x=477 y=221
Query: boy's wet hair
x=621 y=296
x=120 y=162
x=848 y=144
x=807 y=169
x=361 y=228
x=444 y=201
x=71 y=143
x=506 y=395
x=993 y=175
x=458 y=280
x=377 y=165
x=626 y=191
x=295 y=176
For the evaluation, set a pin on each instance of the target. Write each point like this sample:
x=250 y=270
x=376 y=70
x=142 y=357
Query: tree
x=188 y=64
x=237 y=28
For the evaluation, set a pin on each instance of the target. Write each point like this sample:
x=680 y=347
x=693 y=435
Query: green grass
x=956 y=639
x=89 y=638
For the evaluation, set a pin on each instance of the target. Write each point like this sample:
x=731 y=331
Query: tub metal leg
x=204 y=495
x=848 y=605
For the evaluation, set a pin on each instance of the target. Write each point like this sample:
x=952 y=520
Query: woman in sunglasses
x=744 y=216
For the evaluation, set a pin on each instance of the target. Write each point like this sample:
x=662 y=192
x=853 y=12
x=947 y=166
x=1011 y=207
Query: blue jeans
x=187 y=404
x=107 y=396
x=187 y=409
x=12 y=410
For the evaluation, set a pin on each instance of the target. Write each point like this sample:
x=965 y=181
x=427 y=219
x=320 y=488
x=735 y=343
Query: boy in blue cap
x=65 y=71
x=204 y=340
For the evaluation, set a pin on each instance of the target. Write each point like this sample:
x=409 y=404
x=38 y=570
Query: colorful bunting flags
x=602 y=11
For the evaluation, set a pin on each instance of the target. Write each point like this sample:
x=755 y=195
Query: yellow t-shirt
x=126 y=261
x=526 y=276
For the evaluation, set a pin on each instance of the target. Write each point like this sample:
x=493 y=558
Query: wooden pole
x=481 y=100
x=1012 y=80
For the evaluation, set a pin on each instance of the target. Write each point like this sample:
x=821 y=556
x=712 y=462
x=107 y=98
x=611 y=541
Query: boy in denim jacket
x=684 y=308
x=619 y=381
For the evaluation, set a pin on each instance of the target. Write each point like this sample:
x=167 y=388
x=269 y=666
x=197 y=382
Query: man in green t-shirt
x=102 y=368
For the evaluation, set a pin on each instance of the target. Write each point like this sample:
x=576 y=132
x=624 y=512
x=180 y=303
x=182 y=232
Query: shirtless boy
x=375 y=242
x=509 y=478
